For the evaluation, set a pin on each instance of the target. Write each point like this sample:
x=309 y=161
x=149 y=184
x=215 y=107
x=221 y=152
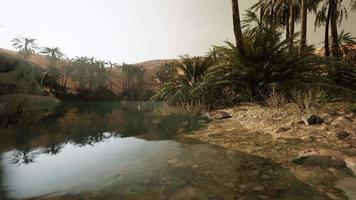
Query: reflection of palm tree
x=24 y=156
x=25 y=46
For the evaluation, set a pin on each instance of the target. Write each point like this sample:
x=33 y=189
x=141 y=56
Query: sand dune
x=150 y=68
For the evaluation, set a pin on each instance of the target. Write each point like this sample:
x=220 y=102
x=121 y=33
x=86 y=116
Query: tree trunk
x=303 y=39
x=111 y=78
x=65 y=81
x=287 y=23
x=292 y=27
x=326 y=41
x=237 y=26
x=335 y=47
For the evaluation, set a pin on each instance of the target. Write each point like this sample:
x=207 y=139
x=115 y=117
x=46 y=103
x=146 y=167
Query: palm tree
x=25 y=46
x=237 y=26
x=346 y=40
x=304 y=13
x=53 y=54
x=110 y=77
x=184 y=87
x=331 y=13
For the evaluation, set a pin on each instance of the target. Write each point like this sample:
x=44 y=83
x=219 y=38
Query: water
x=130 y=151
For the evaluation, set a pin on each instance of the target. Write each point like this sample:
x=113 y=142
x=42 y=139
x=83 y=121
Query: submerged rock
x=219 y=115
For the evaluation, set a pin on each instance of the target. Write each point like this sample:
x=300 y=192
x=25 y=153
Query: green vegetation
x=264 y=65
x=269 y=63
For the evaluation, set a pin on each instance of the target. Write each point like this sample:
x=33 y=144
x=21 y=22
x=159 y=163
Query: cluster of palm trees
x=92 y=76
x=286 y=13
x=267 y=57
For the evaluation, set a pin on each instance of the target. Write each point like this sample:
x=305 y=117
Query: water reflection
x=115 y=151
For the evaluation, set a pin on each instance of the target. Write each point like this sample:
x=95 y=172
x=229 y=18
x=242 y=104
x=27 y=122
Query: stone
x=348 y=186
x=282 y=129
x=351 y=164
x=322 y=157
x=314 y=119
x=265 y=177
x=343 y=135
x=259 y=188
x=219 y=115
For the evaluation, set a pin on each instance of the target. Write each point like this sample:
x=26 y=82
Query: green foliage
x=166 y=73
x=266 y=64
x=19 y=76
x=184 y=86
x=133 y=83
x=25 y=46
x=90 y=75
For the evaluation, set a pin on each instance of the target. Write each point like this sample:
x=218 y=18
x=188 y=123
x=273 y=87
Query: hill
x=150 y=68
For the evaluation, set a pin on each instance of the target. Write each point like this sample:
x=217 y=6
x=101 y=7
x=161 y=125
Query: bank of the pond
x=325 y=153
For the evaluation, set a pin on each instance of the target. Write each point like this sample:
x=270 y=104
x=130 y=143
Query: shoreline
x=281 y=135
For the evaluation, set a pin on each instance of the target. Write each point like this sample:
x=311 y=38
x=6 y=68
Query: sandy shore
x=280 y=134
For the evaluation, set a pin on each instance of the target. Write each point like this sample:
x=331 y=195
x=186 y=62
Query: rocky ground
x=321 y=155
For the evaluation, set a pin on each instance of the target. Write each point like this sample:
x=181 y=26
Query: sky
x=128 y=30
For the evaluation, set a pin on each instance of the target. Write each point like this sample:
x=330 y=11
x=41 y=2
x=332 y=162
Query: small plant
x=306 y=99
x=184 y=108
x=275 y=99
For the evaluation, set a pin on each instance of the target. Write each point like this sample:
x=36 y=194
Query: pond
x=110 y=150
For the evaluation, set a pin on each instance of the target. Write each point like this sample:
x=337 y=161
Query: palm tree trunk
x=65 y=81
x=292 y=27
x=237 y=26
x=303 y=39
x=111 y=77
x=335 y=48
x=326 y=41
x=287 y=23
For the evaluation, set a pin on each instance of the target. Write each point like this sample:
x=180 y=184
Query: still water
x=130 y=151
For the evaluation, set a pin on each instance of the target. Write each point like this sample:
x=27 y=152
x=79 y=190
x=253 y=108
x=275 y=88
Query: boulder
x=322 y=157
x=219 y=115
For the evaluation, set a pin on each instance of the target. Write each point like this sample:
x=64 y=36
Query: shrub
x=306 y=99
x=275 y=99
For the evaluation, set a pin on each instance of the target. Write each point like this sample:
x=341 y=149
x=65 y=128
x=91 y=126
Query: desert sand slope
x=150 y=68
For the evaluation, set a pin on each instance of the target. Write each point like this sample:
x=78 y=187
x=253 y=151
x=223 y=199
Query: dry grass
x=275 y=99
x=307 y=99
x=184 y=108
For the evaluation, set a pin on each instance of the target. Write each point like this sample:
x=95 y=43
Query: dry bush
x=306 y=99
x=275 y=99
x=184 y=108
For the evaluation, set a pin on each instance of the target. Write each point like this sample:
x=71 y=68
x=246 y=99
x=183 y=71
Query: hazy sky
x=126 y=30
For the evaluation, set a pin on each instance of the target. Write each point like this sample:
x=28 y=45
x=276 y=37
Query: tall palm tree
x=304 y=13
x=25 y=46
x=237 y=26
x=53 y=54
x=330 y=14
x=110 y=77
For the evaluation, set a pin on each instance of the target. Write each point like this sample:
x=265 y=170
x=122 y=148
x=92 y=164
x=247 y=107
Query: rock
x=259 y=188
x=282 y=129
x=219 y=115
x=323 y=157
x=314 y=119
x=351 y=164
x=186 y=193
x=348 y=186
x=265 y=177
x=340 y=121
x=343 y=135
